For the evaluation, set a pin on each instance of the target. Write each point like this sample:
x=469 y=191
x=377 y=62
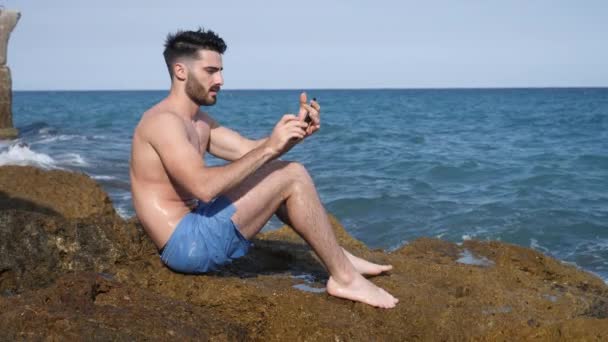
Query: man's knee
x=296 y=171
x=292 y=174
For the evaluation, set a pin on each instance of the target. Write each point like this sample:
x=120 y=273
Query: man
x=169 y=177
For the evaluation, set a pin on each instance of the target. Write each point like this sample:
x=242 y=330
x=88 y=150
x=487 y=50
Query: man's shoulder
x=155 y=118
x=207 y=119
x=158 y=122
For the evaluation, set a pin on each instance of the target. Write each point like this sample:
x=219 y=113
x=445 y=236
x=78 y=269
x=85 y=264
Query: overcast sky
x=69 y=44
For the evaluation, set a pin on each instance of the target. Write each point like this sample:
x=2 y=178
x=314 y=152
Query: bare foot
x=362 y=290
x=365 y=267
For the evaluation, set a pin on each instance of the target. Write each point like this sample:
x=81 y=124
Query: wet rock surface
x=92 y=275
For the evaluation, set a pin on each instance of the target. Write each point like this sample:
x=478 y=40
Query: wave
x=71 y=159
x=46 y=139
x=38 y=127
x=21 y=154
x=123 y=213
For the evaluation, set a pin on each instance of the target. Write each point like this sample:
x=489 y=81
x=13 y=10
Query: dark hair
x=187 y=44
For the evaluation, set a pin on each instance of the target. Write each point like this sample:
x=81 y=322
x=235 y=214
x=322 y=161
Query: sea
x=523 y=166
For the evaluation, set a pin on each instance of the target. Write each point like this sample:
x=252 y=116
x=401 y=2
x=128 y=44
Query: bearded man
x=202 y=217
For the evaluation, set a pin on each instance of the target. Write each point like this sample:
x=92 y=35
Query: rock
x=474 y=291
x=54 y=192
x=36 y=248
x=8 y=21
x=90 y=306
x=7 y=131
x=52 y=222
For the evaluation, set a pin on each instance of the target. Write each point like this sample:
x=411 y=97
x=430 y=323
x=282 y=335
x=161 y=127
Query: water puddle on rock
x=309 y=280
x=550 y=298
x=306 y=288
x=468 y=258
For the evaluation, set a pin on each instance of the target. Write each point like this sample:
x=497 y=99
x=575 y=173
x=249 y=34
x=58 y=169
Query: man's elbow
x=203 y=194
x=200 y=188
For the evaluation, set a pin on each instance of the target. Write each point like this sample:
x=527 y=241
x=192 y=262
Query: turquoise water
x=525 y=166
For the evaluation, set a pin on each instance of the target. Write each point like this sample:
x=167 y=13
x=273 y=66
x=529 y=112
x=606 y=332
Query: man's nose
x=219 y=78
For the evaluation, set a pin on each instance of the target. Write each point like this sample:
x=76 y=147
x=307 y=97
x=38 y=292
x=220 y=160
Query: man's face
x=205 y=78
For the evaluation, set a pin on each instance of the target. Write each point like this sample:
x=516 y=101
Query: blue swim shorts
x=205 y=239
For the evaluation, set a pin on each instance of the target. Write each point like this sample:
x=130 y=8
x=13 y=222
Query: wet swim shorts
x=205 y=239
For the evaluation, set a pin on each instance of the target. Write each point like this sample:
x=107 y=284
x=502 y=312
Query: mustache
x=216 y=89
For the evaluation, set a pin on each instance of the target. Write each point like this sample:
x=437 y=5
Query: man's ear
x=180 y=70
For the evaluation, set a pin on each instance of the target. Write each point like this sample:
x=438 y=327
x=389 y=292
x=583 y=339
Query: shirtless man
x=202 y=217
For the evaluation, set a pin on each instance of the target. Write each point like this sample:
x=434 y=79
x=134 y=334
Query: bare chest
x=198 y=135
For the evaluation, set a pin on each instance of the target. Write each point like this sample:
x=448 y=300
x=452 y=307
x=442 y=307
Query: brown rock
x=88 y=306
x=36 y=248
x=7 y=131
x=441 y=298
x=482 y=291
x=54 y=192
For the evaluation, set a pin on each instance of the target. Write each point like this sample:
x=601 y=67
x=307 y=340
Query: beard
x=197 y=92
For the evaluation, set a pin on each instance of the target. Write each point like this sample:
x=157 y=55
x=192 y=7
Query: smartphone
x=308 y=119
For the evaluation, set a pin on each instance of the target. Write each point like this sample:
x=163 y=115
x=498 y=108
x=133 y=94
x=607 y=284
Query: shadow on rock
x=7 y=203
x=268 y=257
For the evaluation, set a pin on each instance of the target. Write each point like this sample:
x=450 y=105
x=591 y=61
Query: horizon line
x=305 y=89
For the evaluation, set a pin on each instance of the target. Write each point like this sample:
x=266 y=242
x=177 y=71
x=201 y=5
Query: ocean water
x=524 y=166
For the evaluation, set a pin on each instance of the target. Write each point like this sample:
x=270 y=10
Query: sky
x=89 y=45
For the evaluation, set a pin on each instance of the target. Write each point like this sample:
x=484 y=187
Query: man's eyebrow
x=212 y=68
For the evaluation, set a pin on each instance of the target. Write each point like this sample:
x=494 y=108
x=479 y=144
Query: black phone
x=308 y=119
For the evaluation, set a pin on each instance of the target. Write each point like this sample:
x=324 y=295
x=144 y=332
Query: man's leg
x=259 y=197
x=361 y=265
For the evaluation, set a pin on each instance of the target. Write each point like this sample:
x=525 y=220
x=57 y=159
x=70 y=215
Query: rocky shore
x=72 y=269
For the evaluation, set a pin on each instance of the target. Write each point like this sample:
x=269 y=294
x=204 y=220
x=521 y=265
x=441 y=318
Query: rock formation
x=8 y=21
x=69 y=276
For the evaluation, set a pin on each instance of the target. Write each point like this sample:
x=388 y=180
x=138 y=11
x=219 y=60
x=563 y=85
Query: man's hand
x=286 y=133
x=313 y=110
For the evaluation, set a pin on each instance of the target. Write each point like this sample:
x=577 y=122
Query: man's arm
x=227 y=144
x=167 y=134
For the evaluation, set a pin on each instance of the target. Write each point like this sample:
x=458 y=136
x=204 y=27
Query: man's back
x=159 y=202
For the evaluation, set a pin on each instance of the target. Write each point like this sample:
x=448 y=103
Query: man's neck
x=183 y=105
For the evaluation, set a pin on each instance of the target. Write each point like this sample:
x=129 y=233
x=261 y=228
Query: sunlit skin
x=168 y=175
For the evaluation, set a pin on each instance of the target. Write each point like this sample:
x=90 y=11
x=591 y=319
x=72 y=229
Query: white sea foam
x=71 y=159
x=124 y=195
x=535 y=245
x=47 y=139
x=21 y=154
x=397 y=246
x=46 y=130
x=103 y=177
x=122 y=212
x=5 y=143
